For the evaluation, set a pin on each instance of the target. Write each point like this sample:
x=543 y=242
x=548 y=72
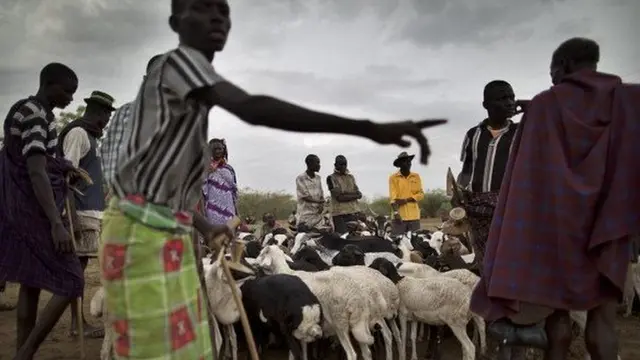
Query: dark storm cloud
x=376 y=86
x=442 y=22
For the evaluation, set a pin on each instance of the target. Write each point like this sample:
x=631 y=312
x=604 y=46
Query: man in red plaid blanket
x=568 y=205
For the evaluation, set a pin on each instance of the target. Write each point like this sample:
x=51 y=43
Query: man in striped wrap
x=152 y=292
x=37 y=251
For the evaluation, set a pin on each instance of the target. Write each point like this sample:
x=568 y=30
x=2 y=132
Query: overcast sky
x=377 y=59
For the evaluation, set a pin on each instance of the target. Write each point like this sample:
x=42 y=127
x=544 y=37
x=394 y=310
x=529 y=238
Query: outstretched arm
x=275 y=113
x=190 y=76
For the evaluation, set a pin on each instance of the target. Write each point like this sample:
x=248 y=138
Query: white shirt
x=76 y=146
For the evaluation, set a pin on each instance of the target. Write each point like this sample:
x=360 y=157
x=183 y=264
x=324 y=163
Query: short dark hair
x=581 y=51
x=177 y=6
x=55 y=73
x=152 y=60
x=341 y=157
x=492 y=85
x=223 y=143
x=309 y=158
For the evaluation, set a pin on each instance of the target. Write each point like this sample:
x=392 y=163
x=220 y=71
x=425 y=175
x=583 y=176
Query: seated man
x=269 y=224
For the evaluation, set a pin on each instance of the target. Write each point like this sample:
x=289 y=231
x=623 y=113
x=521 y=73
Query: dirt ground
x=59 y=346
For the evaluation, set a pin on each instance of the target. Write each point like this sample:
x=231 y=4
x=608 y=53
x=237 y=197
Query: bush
x=255 y=203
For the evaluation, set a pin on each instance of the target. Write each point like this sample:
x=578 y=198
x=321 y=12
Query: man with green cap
x=405 y=193
x=78 y=143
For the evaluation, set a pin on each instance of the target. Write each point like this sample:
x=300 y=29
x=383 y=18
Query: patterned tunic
x=220 y=192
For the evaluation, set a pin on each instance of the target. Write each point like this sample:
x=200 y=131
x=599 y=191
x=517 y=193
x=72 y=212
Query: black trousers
x=340 y=222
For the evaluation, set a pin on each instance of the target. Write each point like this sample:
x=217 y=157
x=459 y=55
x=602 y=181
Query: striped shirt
x=164 y=158
x=35 y=126
x=484 y=156
x=113 y=140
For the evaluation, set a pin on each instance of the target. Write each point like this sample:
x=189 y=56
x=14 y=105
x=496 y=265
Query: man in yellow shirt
x=405 y=193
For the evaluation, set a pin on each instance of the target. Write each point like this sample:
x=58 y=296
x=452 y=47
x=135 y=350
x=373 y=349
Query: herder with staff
x=151 y=286
x=37 y=250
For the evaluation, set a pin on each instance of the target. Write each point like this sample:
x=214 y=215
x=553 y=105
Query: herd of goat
x=311 y=289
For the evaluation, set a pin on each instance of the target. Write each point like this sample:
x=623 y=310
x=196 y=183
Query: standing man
x=146 y=237
x=115 y=136
x=344 y=195
x=567 y=210
x=485 y=152
x=78 y=143
x=405 y=193
x=310 y=194
x=37 y=251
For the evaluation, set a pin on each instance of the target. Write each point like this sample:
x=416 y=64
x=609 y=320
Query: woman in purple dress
x=220 y=189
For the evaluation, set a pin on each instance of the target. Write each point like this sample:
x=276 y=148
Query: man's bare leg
x=50 y=316
x=27 y=313
x=3 y=305
x=600 y=335
x=89 y=331
x=559 y=334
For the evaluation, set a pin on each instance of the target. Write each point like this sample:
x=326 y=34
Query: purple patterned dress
x=220 y=193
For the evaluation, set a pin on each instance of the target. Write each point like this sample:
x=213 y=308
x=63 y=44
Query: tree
x=64 y=118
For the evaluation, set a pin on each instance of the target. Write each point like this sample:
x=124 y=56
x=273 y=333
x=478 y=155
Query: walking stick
x=222 y=245
x=79 y=299
x=87 y=179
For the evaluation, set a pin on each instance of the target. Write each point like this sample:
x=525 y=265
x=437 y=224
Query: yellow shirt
x=409 y=187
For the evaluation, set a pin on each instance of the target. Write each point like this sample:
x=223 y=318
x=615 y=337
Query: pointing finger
x=424 y=147
x=427 y=123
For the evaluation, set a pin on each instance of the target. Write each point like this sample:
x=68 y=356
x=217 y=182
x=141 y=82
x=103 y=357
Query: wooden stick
x=78 y=300
x=203 y=286
x=253 y=351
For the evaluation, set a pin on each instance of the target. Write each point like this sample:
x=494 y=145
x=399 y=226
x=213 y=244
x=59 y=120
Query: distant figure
x=269 y=224
x=567 y=210
x=405 y=193
x=292 y=221
x=344 y=195
x=310 y=194
x=220 y=189
x=78 y=143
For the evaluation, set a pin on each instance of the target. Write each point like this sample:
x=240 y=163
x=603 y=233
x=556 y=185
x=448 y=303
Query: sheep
x=367 y=244
x=286 y=303
x=376 y=285
x=222 y=304
x=345 y=308
x=97 y=309
x=435 y=300
x=310 y=256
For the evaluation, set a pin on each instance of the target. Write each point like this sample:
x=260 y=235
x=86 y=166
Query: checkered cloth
x=479 y=207
x=569 y=201
x=152 y=291
x=113 y=140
